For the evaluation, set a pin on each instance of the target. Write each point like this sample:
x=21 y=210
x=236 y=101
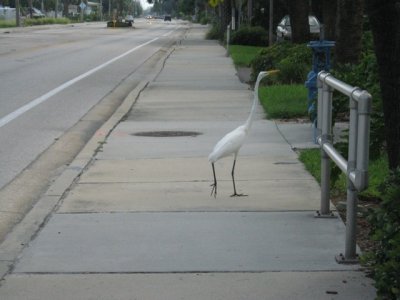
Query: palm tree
x=349 y=31
x=384 y=17
x=298 y=12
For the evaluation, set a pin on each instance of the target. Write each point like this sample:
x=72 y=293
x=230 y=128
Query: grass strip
x=284 y=101
x=243 y=55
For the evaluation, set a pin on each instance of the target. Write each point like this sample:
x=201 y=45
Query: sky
x=145 y=4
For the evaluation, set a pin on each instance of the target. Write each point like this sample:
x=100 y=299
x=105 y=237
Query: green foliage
x=364 y=75
x=293 y=60
x=251 y=36
x=284 y=101
x=268 y=58
x=295 y=67
x=378 y=170
x=7 y=24
x=243 y=55
x=385 y=222
x=311 y=158
x=202 y=18
x=45 y=21
x=213 y=33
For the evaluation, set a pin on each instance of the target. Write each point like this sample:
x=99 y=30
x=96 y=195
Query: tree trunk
x=225 y=17
x=329 y=10
x=65 y=8
x=349 y=31
x=385 y=24
x=298 y=12
x=249 y=11
x=30 y=8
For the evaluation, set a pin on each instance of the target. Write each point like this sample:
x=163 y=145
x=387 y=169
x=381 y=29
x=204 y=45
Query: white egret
x=230 y=144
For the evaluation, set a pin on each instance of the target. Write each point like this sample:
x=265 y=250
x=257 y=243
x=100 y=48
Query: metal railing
x=356 y=165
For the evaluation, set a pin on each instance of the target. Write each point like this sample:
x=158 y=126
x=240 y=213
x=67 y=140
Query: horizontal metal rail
x=356 y=165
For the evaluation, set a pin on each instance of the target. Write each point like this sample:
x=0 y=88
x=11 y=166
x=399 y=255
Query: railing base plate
x=329 y=215
x=341 y=259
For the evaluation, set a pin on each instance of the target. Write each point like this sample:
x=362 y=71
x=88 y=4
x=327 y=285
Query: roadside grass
x=284 y=101
x=46 y=21
x=290 y=101
x=34 y=22
x=243 y=55
x=7 y=24
x=378 y=170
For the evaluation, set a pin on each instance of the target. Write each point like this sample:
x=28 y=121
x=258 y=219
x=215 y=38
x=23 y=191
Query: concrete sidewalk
x=140 y=222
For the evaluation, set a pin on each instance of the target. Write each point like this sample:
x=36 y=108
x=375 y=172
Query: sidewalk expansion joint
x=127 y=212
x=360 y=270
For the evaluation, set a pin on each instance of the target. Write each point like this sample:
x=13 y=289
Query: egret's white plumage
x=231 y=143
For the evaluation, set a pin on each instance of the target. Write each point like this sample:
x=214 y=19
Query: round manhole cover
x=167 y=133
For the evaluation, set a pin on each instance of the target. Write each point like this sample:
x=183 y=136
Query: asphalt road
x=53 y=77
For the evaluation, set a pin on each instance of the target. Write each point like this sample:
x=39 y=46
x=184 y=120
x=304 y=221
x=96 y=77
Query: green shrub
x=295 y=67
x=268 y=58
x=251 y=36
x=364 y=75
x=213 y=33
x=6 y=23
x=203 y=21
x=45 y=21
x=385 y=222
x=293 y=60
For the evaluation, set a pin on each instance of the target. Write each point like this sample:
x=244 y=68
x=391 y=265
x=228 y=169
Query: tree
x=224 y=13
x=384 y=18
x=298 y=12
x=349 y=31
x=329 y=9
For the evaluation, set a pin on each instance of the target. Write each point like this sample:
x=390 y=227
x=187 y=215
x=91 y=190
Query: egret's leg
x=233 y=180
x=214 y=185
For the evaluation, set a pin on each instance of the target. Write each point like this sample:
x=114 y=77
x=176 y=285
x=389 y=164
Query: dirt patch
x=363 y=226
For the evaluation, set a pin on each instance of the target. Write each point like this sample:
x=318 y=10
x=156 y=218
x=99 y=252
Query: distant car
x=149 y=17
x=284 y=29
x=129 y=20
x=35 y=13
x=167 y=18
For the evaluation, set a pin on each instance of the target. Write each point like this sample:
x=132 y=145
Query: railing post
x=356 y=166
x=358 y=163
x=364 y=112
x=326 y=136
x=228 y=38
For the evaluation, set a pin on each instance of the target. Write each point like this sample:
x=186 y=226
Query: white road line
x=23 y=109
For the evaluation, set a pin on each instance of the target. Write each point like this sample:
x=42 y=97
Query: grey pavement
x=139 y=222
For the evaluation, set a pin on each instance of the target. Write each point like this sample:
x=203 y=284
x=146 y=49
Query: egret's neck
x=253 y=107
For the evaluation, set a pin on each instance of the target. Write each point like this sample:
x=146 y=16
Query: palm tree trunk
x=385 y=24
x=349 y=31
x=298 y=11
x=329 y=9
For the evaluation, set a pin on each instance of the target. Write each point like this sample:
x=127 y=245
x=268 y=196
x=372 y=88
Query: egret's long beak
x=272 y=72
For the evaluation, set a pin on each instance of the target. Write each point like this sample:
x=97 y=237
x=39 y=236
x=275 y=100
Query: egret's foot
x=214 y=190
x=238 y=195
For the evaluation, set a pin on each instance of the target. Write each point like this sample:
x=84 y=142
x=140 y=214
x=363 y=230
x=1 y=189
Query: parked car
x=34 y=12
x=167 y=18
x=284 y=30
x=129 y=20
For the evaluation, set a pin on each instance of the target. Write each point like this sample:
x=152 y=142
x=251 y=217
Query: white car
x=129 y=20
x=284 y=30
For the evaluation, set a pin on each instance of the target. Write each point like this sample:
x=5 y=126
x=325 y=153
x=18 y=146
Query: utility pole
x=17 y=16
